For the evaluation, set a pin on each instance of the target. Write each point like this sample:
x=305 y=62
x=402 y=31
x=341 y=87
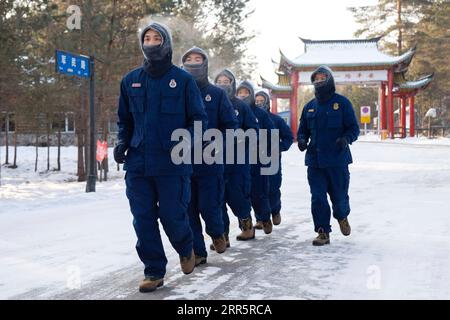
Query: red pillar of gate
x=274 y=104
x=412 y=122
x=390 y=103
x=403 y=116
x=382 y=111
x=294 y=102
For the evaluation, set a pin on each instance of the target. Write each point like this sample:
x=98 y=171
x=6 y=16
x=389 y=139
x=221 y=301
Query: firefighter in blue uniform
x=237 y=176
x=262 y=99
x=156 y=99
x=207 y=180
x=260 y=183
x=327 y=127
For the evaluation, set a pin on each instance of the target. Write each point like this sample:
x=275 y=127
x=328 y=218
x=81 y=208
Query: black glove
x=342 y=143
x=302 y=145
x=119 y=152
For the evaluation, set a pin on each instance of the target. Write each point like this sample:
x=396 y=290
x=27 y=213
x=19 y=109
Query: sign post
x=90 y=186
x=102 y=154
x=82 y=66
x=365 y=117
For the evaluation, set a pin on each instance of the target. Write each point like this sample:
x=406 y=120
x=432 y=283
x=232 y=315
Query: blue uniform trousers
x=237 y=196
x=275 y=192
x=260 y=195
x=206 y=202
x=333 y=181
x=165 y=198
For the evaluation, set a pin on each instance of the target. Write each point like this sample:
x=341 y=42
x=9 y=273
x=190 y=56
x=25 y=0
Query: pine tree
x=423 y=23
x=433 y=39
x=218 y=27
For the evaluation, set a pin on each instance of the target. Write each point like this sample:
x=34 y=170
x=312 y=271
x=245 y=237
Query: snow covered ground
x=56 y=241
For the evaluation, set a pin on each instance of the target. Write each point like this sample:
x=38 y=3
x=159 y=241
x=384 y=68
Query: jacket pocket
x=172 y=116
x=171 y=102
x=137 y=100
x=311 y=120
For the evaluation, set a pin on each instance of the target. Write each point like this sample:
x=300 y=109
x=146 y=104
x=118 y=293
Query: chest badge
x=310 y=110
x=173 y=83
x=237 y=112
x=208 y=98
x=135 y=85
x=336 y=106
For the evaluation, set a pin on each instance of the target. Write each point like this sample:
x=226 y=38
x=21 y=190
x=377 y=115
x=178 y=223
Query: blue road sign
x=69 y=63
x=286 y=115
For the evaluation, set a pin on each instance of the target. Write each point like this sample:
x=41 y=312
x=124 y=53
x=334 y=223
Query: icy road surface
x=58 y=242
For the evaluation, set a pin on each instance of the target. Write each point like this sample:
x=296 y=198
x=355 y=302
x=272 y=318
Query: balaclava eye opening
x=199 y=71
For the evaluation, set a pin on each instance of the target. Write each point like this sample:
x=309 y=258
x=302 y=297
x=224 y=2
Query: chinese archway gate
x=352 y=62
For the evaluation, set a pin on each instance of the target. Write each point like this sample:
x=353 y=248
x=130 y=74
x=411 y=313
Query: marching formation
x=158 y=98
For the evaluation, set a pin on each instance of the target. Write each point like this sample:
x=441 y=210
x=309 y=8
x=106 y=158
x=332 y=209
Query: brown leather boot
x=248 y=232
x=188 y=263
x=149 y=284
x=267 y=227
x=259 y=225
x=199 y=260
x=220 y=244
x=227 y=239
x=322 y=239
x=345 y=227
x=276 y=219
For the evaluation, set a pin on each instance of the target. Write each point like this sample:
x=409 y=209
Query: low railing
x=433 y=132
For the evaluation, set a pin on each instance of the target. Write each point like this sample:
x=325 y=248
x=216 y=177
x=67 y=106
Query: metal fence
x=433 y=132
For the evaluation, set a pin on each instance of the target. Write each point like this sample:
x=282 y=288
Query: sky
x=278 y=24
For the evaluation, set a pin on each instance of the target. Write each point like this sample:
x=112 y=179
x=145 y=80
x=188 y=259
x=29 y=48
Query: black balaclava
x=250 y=100
x=229 y=89
x=198 y=71
x=265 y=95
x=157 y=59
x=324 y=90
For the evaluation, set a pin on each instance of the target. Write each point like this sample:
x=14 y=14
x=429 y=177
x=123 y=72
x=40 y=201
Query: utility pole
x=90 y=185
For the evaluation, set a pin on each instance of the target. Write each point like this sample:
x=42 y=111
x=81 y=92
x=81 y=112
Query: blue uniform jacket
x=150 y=109
x=246 y=120
x=263 y=118
x=221 y=116
x=322 y=125
x=286 y=137
x=264 y=122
